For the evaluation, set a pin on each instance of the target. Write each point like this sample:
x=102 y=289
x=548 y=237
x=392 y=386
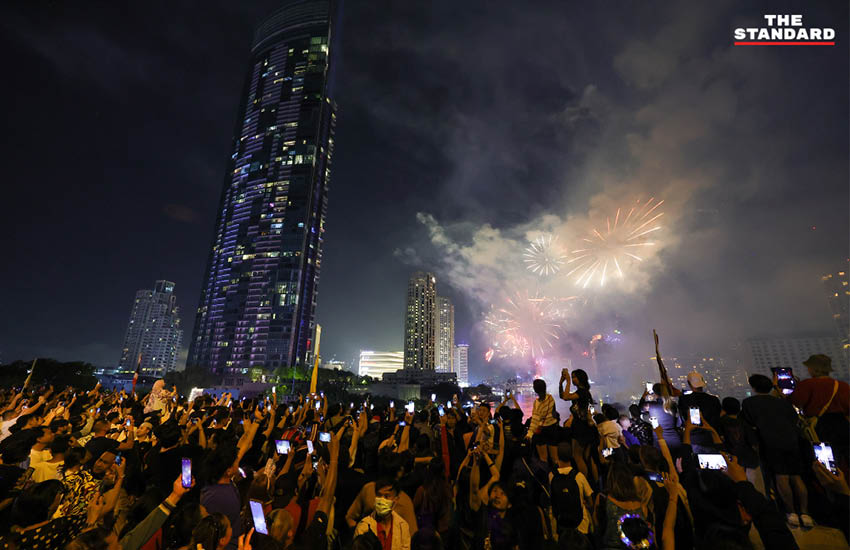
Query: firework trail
x=523 y=326
x=544 y=256
x=603 y=253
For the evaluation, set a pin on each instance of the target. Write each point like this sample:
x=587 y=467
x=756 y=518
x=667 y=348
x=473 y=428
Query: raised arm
x=665 y=451
x=668 y=535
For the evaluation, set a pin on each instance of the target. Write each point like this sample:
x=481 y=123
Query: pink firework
x=523 y=326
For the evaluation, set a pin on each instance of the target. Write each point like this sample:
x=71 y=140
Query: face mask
x=383 y=506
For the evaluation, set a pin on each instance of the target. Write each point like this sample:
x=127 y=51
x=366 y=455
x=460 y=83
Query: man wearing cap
x=828 y=399
x=709 y=407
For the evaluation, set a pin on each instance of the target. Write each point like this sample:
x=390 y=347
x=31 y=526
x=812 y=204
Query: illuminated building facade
x=445 y=356
x=462 y=364
x=378 y=363
x=153 y=332
x=838 y=293
x=792 y=351
x=258 y=297
x=420 y=323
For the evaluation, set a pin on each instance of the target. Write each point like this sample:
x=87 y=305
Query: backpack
x=566 y=500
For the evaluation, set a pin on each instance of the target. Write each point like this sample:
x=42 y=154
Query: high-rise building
x=378 y=363
x=420 y=322
x=154 y=332
x=258 y=297
x=838 y=293
x=792 y=351
x=462 y=364
x=444 y=354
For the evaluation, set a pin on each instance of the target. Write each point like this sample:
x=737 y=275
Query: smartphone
x=127 y=423
x=649 y=387
x=325 y=437
x=186 y=473
x=785 y=379
x=711 y=461
x=309 y=447
x=322 y=394
x=214 y=422
x=274 y=390
x=508 y=393
x=606 y=452
x=392 y=404
x=98 y=410
x=433 y=397
x=242 y=472
x=654 y=421
x=592 y=409
x=258 y=516
x=823 y=453
x=371 y=406
x=291 y=409
x=351 y=405
x=315 y=463
x=230 y=402
x=441 y=410
x=402 y=423
x=655 y=476
x=410 y=407
x=118 y=459
x=318 y=405
x=448 y=404
x=195 y=420
x=695 y=419
x=494 y=421
x=282 y=446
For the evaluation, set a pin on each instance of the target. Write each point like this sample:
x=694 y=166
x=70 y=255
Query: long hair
x=583 y=381
x=621 y=483
x=666 y=399
x=437 y=495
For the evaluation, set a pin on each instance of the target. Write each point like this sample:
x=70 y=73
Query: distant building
x=334 y=364
x=420 y=377
x=445 y=356
x=420 y=322
x=838 y=295
x=153 y=332
x=723 y=376
x=378 y=363
x=462 y=364
x=792 y=351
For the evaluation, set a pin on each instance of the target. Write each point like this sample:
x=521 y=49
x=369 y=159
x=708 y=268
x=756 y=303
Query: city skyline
x=138 y=129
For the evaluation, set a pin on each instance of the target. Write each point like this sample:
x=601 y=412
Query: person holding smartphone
x=583 y=429
x=708 y=406
x=776 y=422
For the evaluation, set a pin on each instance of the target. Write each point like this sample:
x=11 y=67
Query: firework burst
x=544 y=256
x=603 y=253
x=523 y=326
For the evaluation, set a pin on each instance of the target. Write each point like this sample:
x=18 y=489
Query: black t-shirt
x=99 y=445
x=708 y=405
x=774 y=418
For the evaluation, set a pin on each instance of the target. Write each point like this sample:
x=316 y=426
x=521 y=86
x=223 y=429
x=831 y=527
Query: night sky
x=462 y=129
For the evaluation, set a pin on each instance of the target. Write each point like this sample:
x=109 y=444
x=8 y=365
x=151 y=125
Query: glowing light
x=605 y=252
x=544 y=256
x=488 y=355
x=523 y=326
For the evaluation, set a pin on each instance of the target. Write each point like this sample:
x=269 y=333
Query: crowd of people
x=680 y=469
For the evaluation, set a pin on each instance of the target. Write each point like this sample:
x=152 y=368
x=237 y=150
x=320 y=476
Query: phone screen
x=607 y=452
x=118 y=459
x=785 y=380
x=186 y=473
x=259 y=517
x=325 y=437
x=448 y=404
x=127 y=423
x=282 y=446
x=433 y=397
x=695 y=416
x=711 y=461
x=655 y=476
x=318 y=405
x=410 y=407
x=649 y=387
x=823 y=453
x=441 y=410
x=402 y=424
x=654 y=421
x=309 y=447
x=392 y=404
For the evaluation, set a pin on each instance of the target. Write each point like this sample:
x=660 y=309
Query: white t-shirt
x=586 y=494
x=46 y=470
x=610 y=432
x=37 y=457
x=4 y=427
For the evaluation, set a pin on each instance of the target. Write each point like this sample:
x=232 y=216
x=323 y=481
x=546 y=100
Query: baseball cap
x=819 y=362
x=696 y=380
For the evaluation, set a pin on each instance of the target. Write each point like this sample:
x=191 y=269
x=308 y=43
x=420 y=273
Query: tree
x=51 y=372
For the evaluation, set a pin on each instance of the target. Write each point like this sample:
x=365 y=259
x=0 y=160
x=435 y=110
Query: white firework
x=603 y=253
x=544 y=256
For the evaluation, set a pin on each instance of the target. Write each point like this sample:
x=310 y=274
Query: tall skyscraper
x=445 y=355
x=462 y=364
x=153 y=332
x=837 y=287
x=258 y=298
x=420 y=324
